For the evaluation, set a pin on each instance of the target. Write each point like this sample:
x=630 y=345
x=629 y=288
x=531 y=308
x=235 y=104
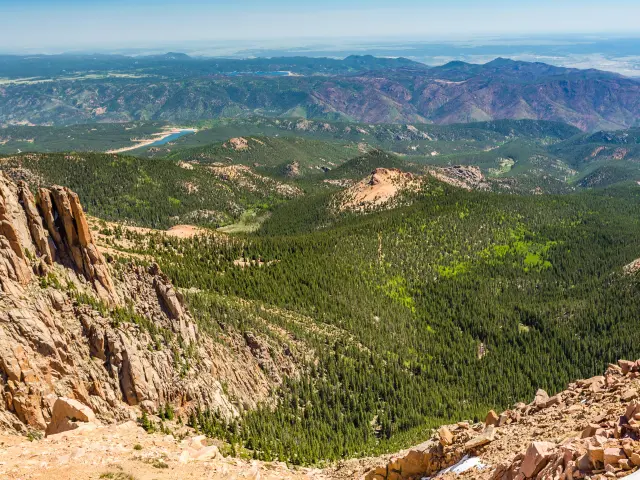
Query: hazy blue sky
x=85 y=23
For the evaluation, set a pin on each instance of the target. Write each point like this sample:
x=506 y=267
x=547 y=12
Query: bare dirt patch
x=379 y=189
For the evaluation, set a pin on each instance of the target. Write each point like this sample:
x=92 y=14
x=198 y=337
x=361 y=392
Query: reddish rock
x=596 y=454
x=612 y=456
x=491 y=419
x=536 y=458
x=629 y=394
x=626 y=366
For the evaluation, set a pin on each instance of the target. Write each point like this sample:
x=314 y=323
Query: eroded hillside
x=113 y=335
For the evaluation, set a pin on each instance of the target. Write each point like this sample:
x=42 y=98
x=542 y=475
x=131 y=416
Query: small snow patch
x=467 y=463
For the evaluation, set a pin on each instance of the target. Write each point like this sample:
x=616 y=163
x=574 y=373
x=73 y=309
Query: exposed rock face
x=27 y=245
x=76 y=338
x=292 y=170
x=467 y=177
x=382 y=188
x=67 y=225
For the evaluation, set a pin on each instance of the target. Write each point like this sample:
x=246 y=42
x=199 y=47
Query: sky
x=46 y=25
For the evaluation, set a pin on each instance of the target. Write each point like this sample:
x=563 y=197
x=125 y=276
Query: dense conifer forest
x=461 y=302
x=450 y=304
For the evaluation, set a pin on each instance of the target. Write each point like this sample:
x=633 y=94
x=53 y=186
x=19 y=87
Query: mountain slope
x=455 y=304
x=110 y=339
x=151 y=192
x=453 y=93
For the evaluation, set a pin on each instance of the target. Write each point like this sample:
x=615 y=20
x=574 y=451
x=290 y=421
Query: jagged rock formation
x=591 y=430
x=56 y=230
x=115 y=338
x=292 y=170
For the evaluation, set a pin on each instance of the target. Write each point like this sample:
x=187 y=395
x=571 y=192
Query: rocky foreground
x=589 y=431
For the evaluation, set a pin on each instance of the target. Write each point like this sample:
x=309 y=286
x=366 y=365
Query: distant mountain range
x=176 y=88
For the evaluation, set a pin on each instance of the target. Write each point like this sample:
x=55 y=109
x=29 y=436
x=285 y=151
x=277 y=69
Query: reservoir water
x=172 y=137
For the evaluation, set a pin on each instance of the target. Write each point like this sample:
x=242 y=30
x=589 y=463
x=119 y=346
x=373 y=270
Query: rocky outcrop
x=591 y=430
x=67 y=225
x=107 y=340
x=292 y=170
x=69 y=340
x=32 y=238
x=382 y=189
x=461 y=176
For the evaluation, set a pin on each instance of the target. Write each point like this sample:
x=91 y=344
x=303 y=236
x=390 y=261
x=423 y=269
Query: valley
x=209 y=273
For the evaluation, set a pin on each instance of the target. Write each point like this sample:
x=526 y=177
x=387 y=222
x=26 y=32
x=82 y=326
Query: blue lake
x=171 y=138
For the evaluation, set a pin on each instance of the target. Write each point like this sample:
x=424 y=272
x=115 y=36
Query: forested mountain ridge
x=285 y=373
x=386 y=325
x=459 y=289
x=153 y=192
x=373 y=91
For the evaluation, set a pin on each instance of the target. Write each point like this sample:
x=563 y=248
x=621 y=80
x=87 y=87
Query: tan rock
x=629 y=394
x=626 y=366
x=170 y=298
x=612 y=456
x=82 y=227
x=205 y=453
x=504 y=419
x=39 y=235
x=541 y=399
x=536 y=458
x=555 y=400
x=590 y=431
x=596 y=454
x=67 y=414
x=45 y=202
x=491 y=419
x=632 y=409
x=445 y=436
x=481 y=440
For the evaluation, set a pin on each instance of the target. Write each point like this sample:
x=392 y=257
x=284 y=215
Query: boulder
x=541 y=399
x=536 y=458
x=445 y=435
x=632 y=409
x=555 y=400
x=481 y=440
x=626 y=366
x=612 y=456
x=596 y=454
x=68 y=414
x=491 y=419
x=67 y=224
